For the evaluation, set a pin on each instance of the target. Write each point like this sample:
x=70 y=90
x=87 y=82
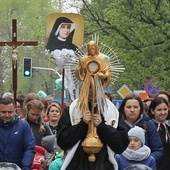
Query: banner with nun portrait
x=64 y=30
x=64 y=34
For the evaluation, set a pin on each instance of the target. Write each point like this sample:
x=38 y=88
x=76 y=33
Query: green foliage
x=31 y=24
x=139 y=33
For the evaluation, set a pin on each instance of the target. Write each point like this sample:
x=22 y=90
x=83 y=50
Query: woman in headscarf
x=61 y=35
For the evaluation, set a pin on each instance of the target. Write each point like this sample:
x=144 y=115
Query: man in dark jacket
x=17 y=144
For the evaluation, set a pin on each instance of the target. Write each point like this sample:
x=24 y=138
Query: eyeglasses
x=18 y=107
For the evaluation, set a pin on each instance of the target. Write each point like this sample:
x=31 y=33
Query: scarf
x=138 y=155
x=11 y=123
x=164 y=124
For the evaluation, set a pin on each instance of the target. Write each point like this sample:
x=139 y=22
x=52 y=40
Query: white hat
x=137 y=132
x=7 y=94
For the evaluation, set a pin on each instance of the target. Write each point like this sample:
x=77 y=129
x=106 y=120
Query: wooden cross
x=14 y=44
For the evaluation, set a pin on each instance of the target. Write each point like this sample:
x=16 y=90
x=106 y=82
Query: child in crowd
x=137 y=152
x=132 y=110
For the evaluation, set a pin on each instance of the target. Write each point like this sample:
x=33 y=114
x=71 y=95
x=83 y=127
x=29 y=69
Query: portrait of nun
x=64 y=33
x=61 y=35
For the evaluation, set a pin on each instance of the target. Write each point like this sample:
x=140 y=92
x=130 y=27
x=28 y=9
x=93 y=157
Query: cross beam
x=14 y=45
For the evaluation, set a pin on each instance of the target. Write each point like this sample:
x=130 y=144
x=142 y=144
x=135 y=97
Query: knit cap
x=137 y=132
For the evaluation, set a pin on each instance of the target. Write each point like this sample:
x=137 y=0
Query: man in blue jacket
x=17 y=144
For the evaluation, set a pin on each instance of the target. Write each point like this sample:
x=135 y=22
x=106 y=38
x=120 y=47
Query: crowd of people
x=136 y=138
x=27 y=127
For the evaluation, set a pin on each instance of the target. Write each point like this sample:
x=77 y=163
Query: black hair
x=128 y=97
x=7 y=100
x=156 y=101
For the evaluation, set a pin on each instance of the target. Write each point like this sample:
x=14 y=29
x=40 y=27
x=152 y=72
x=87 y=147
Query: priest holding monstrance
x=91 y=130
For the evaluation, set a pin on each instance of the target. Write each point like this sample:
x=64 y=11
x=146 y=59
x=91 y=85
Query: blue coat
x=17 y=144
x=152 y=139
x=124 y=163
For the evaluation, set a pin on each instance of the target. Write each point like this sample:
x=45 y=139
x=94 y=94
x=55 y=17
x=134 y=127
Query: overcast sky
x=71 y=6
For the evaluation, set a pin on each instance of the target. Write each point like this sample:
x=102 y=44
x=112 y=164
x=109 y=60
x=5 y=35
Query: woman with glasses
x=18 y=109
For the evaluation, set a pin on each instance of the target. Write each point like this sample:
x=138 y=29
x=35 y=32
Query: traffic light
x=27 y=67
